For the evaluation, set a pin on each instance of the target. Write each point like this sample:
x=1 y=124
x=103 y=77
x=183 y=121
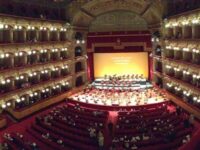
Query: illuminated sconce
x=16 y=54
x=43 y=28
x=176 y=48
x=64 y=49
x=31 y=28
x=63 y=29
x=186 y=72
x=19 y=54
x=157 y=40
x=175 y=24
x=7 y=55
x=185 y=22
x=21 y=77
x=65 y=67
x=55 y=69
x=167 y=25
x=195 y=21
x=2 y=56
x=168 y=66
x=176 y=69
x=53 y=29
x=22 y=99
x=43 y=51
x=8 y=104
x=83 y=41
x=3 y=106
x=177 y=88
x=186 y=49
x=46 y=71
x=33 y=52
x=29 y=52
x=77 y=41
x=168 y=47
x=195 y=98
x=184 y=92
x=3 y=26
x=194 y=76
x=195 y=51
x=169 y=84
x=18 y=100
x=17 y=27
x=8 y=81
x=188 y=94
x=30 y=74
x=3 y=82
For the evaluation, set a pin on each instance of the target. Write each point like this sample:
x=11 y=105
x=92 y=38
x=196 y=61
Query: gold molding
x=114 y=35
x=119 y=45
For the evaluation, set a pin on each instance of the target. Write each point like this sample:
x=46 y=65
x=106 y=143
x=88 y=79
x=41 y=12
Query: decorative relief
x=109 y=5
x=118 y=20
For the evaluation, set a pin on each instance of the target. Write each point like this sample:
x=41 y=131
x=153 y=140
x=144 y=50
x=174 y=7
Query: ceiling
x=82 y=12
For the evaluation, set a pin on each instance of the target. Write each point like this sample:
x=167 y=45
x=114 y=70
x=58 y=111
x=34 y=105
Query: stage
x=105 y=93
x=126 y=84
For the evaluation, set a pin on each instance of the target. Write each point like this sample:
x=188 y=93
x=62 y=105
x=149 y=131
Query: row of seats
x=150 y=129
x=147 y=128
x=65 y=127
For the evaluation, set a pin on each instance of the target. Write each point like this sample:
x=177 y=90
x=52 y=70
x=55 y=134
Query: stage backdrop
x=120 y=64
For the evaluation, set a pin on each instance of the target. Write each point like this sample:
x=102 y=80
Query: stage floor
x=126 y=84
x=119 y=95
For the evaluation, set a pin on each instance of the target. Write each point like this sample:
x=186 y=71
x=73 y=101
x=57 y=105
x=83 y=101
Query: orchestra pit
x=99 y=75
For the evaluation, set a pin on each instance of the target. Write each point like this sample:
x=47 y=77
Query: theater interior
x=99 y=74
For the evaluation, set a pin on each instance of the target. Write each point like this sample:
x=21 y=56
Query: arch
x=78 y=51
x=78 y=66
x=79 y=81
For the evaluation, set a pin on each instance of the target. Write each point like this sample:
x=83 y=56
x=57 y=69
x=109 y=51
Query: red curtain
x=90 y=68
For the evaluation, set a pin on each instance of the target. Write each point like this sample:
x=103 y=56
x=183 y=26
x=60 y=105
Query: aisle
x=112 y=118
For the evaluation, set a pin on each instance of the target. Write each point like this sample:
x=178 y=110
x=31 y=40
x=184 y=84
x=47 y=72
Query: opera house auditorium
x=99 y=74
